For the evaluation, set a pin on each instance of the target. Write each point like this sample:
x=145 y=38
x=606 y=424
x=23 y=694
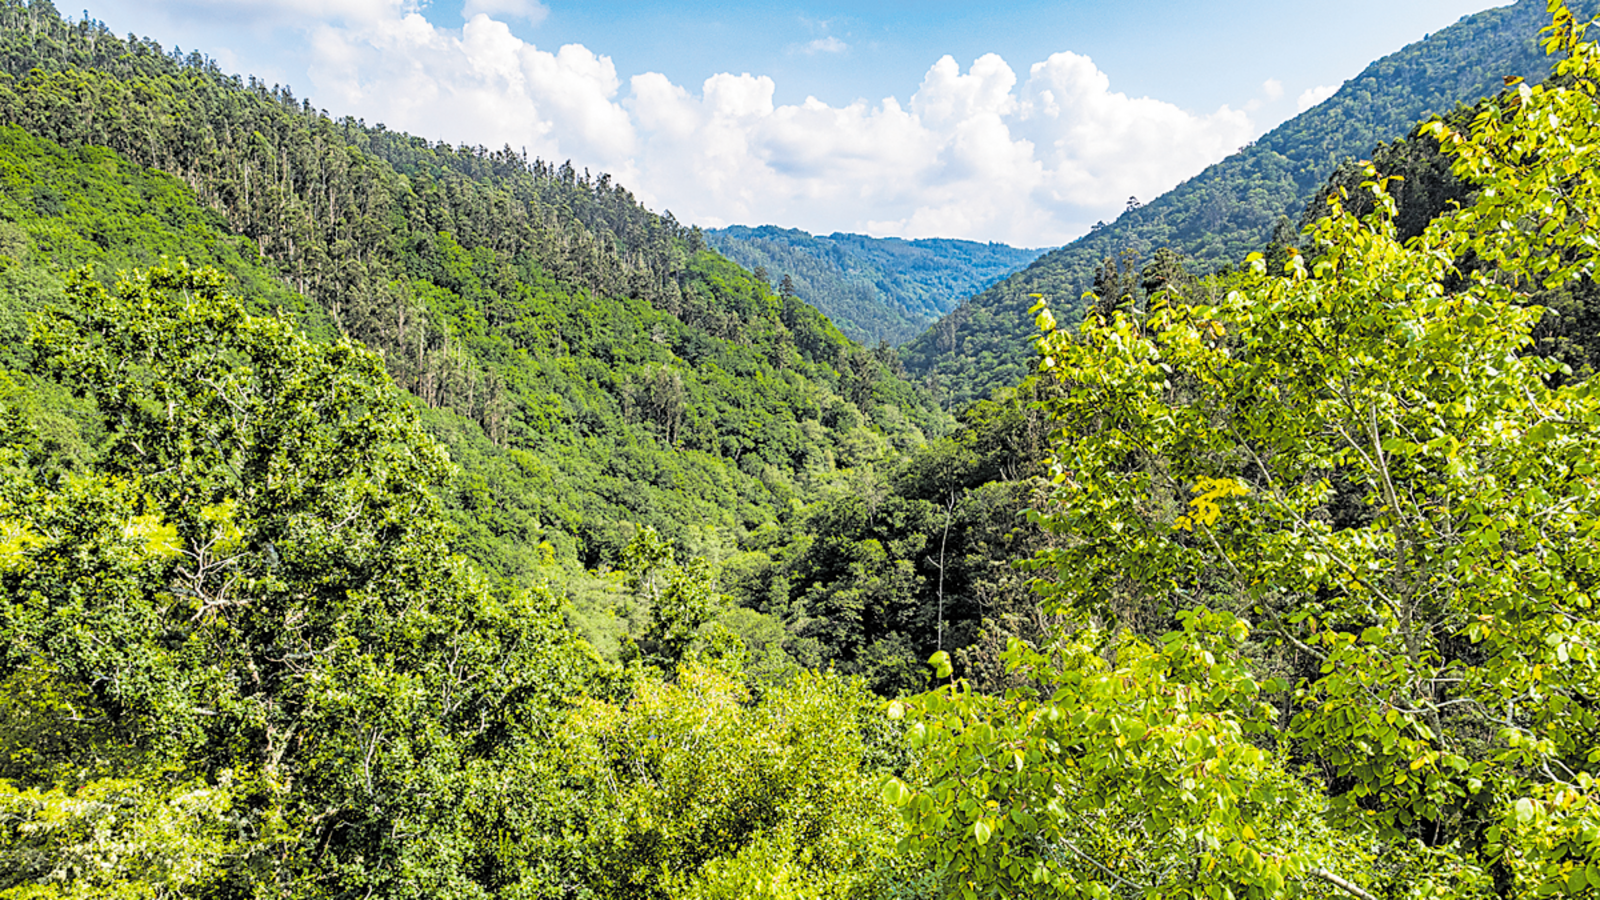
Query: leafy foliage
x=1314 y=548
x=1104 y=779
x=115 y=838
x=883 y=567
x=593 y=367
x=1359 y=456
x=692 y=790
x=251 y=586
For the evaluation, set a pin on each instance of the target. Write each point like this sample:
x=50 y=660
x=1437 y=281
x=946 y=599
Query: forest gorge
x=381 y=518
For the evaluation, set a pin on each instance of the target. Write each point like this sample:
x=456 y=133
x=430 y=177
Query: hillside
x=591 y=366
x=390 y=520
x=874 y=289
x=1234 y=206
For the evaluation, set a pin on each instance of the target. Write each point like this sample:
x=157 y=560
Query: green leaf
x=981 y=831
x=1524 y=810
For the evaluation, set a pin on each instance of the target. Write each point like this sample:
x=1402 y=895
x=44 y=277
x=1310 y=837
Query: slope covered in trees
x=239 y=657
x=1424 y=187
x=592 y=366
x=692 y=404
x=1314 y=547
x=874 y=289
x=1361 y=508
x=1241 y=204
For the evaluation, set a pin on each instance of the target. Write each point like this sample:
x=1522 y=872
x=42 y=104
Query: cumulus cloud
x=1273 y=88
x=981 y=152
x=480 y=84
x=977 y=153
x=1312 y=96
x=531 y=11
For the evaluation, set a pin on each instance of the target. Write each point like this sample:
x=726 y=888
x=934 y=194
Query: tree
x=696 y=788
x=681 y=599
x=1373 y=521
x=253 y=586
x=1115 y=288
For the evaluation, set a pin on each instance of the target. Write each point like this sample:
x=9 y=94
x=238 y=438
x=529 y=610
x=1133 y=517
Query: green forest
x=874 y=289
x=382 y=518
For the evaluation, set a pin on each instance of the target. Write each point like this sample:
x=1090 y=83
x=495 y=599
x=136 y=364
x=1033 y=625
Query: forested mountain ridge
x=595 y=373
x=874 y=289
x=1303 y=602
x=257 y=628
x=592 y=366
x=1234 y=206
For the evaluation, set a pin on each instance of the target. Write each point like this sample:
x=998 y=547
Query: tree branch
x=1340 y=883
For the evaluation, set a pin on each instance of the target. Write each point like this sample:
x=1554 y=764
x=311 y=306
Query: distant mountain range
x=1234 y=206
x=874 y=289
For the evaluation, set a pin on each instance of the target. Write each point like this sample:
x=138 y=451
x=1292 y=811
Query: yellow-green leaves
x=1109 y=777
x=117 y=838
x=1205 y=508
x=981 y=831
x=16 y=537
x=255 y=576
x=157 y=537
x=1363 y=458
x=692 y=789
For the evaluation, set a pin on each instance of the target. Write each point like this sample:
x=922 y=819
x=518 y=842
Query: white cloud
x=978 y=153
x=1273 y=88
x=829 y=44
x=1312 y=96
x=480 y=84
x=1031 y=157
x=532 y=11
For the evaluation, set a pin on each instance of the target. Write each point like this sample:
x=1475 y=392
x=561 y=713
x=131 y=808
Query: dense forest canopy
x=1325 y=565
x=595 y=375
x=352 y=544
x=874 y=289
x=480 y=277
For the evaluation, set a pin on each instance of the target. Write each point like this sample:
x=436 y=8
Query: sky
x=1020 y=122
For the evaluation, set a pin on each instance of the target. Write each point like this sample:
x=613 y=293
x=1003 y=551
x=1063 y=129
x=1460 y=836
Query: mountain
x=1235 y=206
x=449 y=525
x=592 y=367
x=874 y=289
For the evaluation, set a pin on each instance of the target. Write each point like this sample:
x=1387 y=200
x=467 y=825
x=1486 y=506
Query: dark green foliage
x=875 y=289
x=1230 y=209
x=62 y=208
x=883 y=569
x=242 y=655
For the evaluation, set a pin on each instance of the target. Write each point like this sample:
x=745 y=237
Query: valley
x=391 y=518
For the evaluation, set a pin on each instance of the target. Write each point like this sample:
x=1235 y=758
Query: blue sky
x=1023 y=122
x=1196 y=54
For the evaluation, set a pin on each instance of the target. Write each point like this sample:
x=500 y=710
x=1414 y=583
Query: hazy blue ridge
x=1231 y=208
x=887 y=289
